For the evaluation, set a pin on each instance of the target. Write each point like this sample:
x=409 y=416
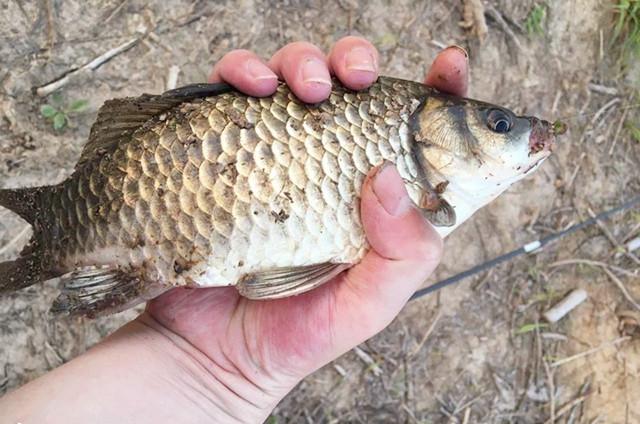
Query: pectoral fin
x=98 y=291
x=437 y=210
x=441 y=215
x=287 y=281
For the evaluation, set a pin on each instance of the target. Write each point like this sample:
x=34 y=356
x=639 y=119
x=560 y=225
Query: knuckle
x=353 y=39
x=301 y=46
x=237 y=54
x=430 y=250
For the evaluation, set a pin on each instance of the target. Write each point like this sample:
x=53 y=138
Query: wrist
x=206 y=386
x=143 y=373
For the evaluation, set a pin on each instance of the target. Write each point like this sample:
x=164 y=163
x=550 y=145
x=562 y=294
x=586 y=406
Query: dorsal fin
x=119 y=118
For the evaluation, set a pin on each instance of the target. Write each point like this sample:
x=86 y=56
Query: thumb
x=405 y=249
x=395 y=228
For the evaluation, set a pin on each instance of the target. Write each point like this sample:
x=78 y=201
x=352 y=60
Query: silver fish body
x=204 y=186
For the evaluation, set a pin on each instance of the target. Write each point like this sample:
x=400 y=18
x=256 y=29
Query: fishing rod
x=527 y=248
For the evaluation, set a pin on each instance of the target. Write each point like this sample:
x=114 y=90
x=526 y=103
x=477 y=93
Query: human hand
x=209 y=355
x=261 y=349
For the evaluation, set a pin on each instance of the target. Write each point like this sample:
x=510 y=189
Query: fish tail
x=31 y=265
x=26 y=202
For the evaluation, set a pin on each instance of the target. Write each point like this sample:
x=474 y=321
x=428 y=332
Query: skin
x=208 y=355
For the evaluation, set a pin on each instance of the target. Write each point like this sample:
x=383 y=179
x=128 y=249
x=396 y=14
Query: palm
x=296 y=335
x=234 y=331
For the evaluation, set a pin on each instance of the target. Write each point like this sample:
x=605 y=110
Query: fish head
x=478 y=149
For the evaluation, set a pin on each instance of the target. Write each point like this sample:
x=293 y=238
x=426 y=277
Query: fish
x=203 y=186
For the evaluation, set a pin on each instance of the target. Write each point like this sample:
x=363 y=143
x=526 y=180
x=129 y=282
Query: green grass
x=626 y=31
x=57 y=112
x=535 y=20
x=528 y=328
x=633 y=130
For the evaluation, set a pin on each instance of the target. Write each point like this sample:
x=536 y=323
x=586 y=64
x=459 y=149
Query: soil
x=474 y=366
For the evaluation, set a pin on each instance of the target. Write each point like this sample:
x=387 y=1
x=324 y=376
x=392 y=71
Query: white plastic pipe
x=565 y=306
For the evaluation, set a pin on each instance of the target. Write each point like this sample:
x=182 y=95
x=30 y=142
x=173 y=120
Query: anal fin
x=95 y=291
x=287 y=281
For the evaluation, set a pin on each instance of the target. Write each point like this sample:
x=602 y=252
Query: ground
x=472 y=353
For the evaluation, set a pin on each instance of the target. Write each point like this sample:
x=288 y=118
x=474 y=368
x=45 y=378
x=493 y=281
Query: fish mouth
x=543 y=136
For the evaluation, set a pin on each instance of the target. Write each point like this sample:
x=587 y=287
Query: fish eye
x=498 y=121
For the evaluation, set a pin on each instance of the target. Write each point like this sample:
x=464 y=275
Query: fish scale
x=196 y=183
x=204 y=186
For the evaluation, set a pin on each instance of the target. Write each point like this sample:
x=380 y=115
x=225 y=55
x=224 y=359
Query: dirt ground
x=463 y=355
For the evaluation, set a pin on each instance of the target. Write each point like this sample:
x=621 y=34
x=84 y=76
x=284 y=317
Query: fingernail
x=360 y=59
x=390 y=190
x=460 y=49
x=315 y=71
x=259 y=70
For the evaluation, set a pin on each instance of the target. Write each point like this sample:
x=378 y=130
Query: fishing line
x=527 y=248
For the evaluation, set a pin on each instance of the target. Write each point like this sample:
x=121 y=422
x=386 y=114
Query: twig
x=622 y=288
x=618 y=130
x=556 y=101
x=467 y=415
x=567 y=408
x=554 y=336
x=17 y=239
x=584 y=389
x=612 y=239
x=367 y=359
x=410 y=413
x=51 y=32
x=552 y=390
x=632 y=233
x=427 y=334
x=601 y=89
x=591 y=263
x=115 y=11
x=596 y=116
x=575 y=171
x=473 y=18
x=340 y=370
x=438 y=44
x=590 y=351
x=504 y=26
x=603 y=109
x=633 y=244
x=550 y=383
x=63 y=80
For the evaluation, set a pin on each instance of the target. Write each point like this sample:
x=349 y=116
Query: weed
x=633 y=130
x=534 y=23
x=626 y=31
x=58 y=113
x=527 y=328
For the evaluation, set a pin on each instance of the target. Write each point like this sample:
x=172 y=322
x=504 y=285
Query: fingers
x=246 y=72
x=405 y=251
x=304 y=68
x=307 y=71
x=450 y=71
x=354 y=61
